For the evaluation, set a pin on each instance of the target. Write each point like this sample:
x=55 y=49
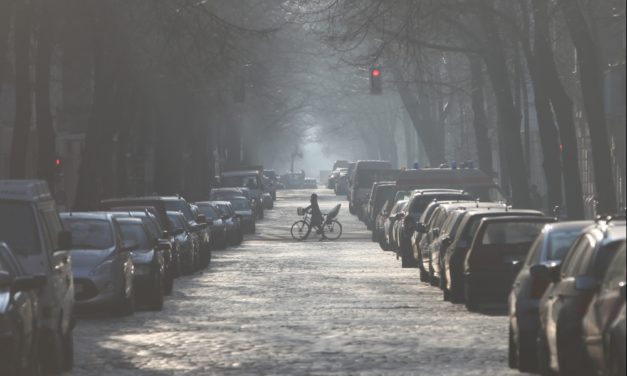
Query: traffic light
x=58 y=166
x=376 y=84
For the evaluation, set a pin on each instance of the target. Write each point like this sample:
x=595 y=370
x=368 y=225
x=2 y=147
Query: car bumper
x=95 y=291
x=489 y=286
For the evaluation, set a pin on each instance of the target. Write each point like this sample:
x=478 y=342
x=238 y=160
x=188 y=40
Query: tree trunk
x=6 y=13
x=509 y=118
x=480 y=119
x=46 y=137
x=591 y=75
x=23 y=102
x=563 y=108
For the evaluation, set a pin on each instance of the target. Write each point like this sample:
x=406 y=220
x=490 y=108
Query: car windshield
x=226 y=209
x=486 y=194
x=93 y=234
x=239 y=181
x=182 y=206
x=209 y=211
x=18 y=227
x=178 y=222
x=559 y=243
x=135 y=232
x=511 y=232
x=240 y=205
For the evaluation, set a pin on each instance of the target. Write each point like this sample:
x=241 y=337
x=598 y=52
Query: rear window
x=135 y=232
x=93 y=234
x=560 y=242
x=18 y=228
x=511 y=232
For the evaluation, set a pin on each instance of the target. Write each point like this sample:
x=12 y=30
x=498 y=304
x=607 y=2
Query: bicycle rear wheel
x=300 y=230
x=332 y=230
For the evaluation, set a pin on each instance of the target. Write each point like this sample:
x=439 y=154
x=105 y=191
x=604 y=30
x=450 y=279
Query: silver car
x=101 y=262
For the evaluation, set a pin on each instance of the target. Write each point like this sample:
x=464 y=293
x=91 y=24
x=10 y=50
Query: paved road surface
x=277 y=307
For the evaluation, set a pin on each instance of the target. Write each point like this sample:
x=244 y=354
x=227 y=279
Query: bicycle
x=331 y=228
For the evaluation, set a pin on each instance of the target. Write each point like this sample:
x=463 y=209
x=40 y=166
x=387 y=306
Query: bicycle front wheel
x=300 y=230
x=332 y=230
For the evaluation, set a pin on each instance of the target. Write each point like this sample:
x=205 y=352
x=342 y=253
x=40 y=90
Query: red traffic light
x=57 y=162
x=376 y=73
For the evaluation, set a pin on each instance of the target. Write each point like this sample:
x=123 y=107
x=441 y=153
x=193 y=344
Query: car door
x=60 y=265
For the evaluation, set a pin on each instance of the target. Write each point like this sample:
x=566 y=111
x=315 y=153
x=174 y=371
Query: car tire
x=407 y=260
x=527 y=354
x=512 y=353
x=52 y=353
x=68 y=351
x=544 y=362
x=424 y=276
x=156 y=300
x=471 y=303
x=382 y=245
x=432 y=280
x=127 y=304
x=169 y=283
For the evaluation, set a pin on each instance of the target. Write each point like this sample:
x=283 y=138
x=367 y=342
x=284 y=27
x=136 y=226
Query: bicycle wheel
x=300 y=230
x=332 y=230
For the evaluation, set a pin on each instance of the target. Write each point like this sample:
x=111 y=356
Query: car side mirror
x=540 y=271
x=421 y=228
x=28 y=283
x=130 y=245
x=201 y=218
x=64 y=239
x=585 y=283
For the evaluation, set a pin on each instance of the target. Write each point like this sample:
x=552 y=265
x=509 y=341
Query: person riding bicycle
x=316 y=214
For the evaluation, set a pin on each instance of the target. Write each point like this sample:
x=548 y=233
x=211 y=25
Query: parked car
x=496 y=254
x=566 y=300
x=615 y=339
x=381 y=192
x=252 y=180
x=19 y=320
x=244 y=213
x=162 y=205
x=603 y=310
x=274 y=182
x=361 y=180
x=388 y=225
x=410 y=215
x=31 y=227
x=168 y=244
x=547 y=251
x=101 y=263
x=310 y=184
x=341 y=182
x=189 y=243
x=234 y=230
x=148 y=260
x=217 y=226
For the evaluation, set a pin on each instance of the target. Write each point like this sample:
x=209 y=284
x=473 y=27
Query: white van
x=363 y=176
x=30 y=225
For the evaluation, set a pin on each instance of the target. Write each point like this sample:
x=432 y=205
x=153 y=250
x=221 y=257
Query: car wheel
x=127 y=303
x=432 y=280
x=544 y=362
x=512 y=354
x=424 y=276
x=33 y=365
x=382 y=245
x=169 y=283
x=156 y=301
x=527 y=354
x=407 y=260
x=68 y=351
x=52 y=353
x=471 y=304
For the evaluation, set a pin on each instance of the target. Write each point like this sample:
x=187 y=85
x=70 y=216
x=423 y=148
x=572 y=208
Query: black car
x=547 y=251
x=188 y=243
x=18 y=316
x=216 y=225
x=148 y=260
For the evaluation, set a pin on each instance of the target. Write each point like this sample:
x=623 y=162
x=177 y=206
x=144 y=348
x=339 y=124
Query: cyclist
x=316 y=214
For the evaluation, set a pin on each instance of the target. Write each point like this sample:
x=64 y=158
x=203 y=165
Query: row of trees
x=504 y=60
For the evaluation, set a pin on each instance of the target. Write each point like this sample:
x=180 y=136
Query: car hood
x=84 y=260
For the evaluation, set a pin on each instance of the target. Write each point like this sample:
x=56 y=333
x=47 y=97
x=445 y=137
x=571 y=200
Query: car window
x=18 y=228
x=602 y=259
x=447 y=226
x=52 y=225
x=576 y=257
x=135 y=232
x=511 y=232
x=535 y=251
x=616 y=273
x=559 y=243
x=178 y=221
x=89 y=234
x=182 y=206
x=209 y=211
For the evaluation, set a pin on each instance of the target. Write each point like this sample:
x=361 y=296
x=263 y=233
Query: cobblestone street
x=277 y=307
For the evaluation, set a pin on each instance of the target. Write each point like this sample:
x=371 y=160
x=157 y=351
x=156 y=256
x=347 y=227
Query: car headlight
x=102 y=269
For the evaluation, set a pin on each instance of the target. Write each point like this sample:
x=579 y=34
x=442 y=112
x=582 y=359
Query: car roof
x=87 y=215
x=516 y=218
x=129 y=220
x=568 y=226
x=25 y=190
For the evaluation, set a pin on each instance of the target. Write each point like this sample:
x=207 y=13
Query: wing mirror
x=421 y=228
x=64 y=239
x=28 y=283
x=586 y=283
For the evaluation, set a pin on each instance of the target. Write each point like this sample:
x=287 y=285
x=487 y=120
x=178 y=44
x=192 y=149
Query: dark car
x=496 y=254
x=188 y=241
x=101 y=263
x=388 y=225
x=148 y=260
x=234 y=230
x=603 y=311
x=547 y=251
x=452 y=259
x=615 y=338
x=18 y=316
x=216 y=224
x=381 y=192
x=162 y=205
x=565 y=302
x=244 y=213
x=411 y=214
